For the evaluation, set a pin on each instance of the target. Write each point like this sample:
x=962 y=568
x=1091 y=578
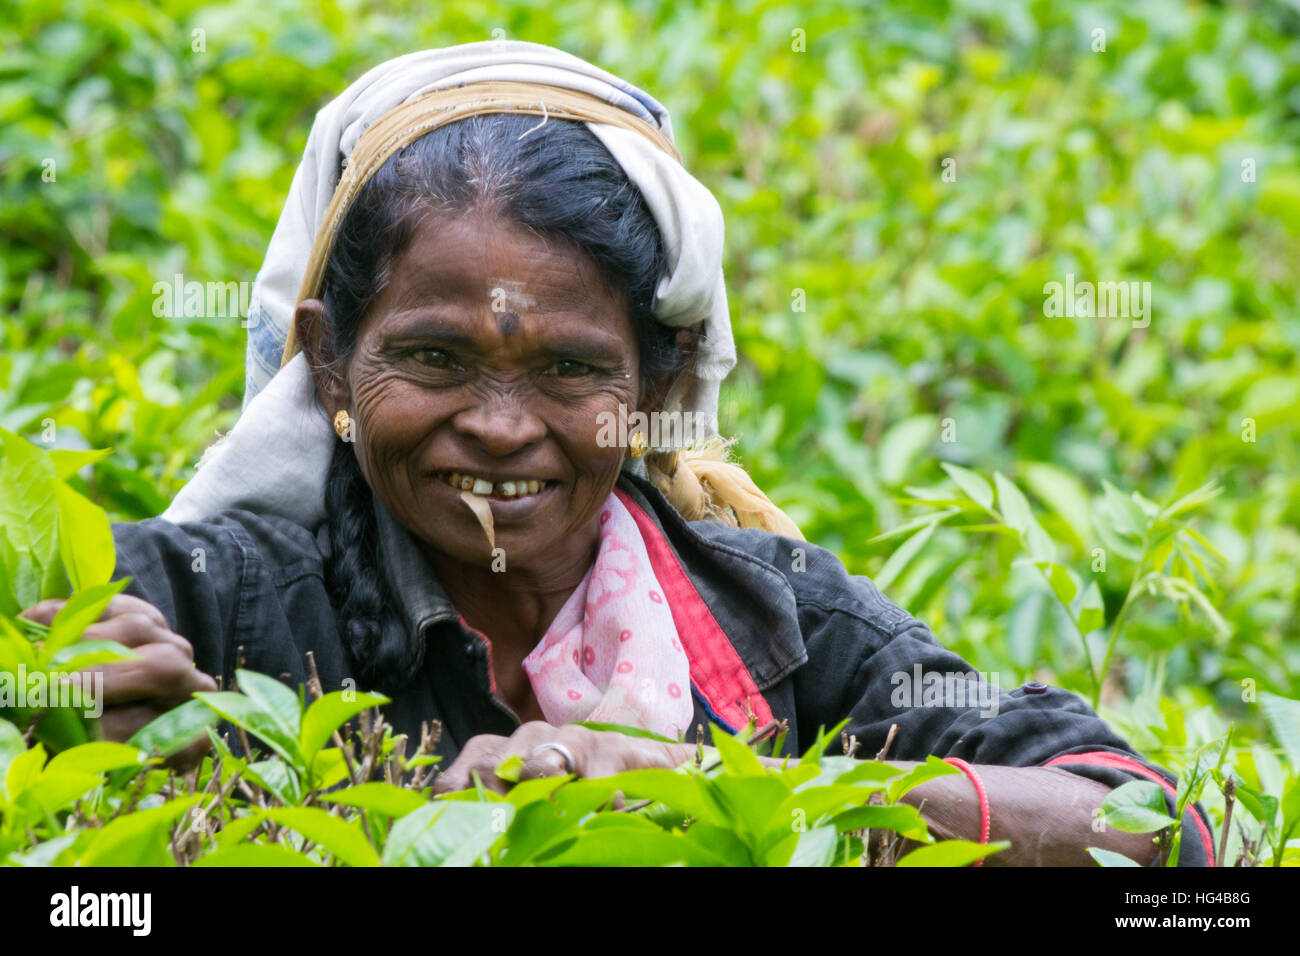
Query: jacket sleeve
x=871 y=662
x=243 y=590
x=194 y=574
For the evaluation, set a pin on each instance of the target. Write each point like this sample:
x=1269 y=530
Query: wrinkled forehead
x=483 y=256
x=466 y=268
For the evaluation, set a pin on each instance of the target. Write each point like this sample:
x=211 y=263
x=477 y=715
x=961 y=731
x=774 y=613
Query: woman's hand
x=596 y=753
x=135 y=692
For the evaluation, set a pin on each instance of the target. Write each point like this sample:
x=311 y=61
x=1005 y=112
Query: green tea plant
x=362 y=802
x=1140 y=807
x=1260 y=775
x=326 y=783
x=53 y=543
x=1167 y=559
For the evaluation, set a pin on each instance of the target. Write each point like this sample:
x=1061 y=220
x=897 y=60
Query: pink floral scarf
x=612 y=654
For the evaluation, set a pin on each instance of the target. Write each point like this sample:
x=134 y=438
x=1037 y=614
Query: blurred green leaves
x=901 y=392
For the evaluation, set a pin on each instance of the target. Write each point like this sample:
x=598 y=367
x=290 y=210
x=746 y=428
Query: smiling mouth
x=513 y=488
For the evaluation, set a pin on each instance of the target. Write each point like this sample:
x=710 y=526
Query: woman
x=511 y=256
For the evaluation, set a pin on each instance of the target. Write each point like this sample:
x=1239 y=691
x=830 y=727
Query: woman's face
x=490 y=356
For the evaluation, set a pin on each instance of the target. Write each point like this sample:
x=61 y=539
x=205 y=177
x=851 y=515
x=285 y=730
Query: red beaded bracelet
x=969 y=771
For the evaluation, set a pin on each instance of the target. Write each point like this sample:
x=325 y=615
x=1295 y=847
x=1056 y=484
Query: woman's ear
x=311 y=325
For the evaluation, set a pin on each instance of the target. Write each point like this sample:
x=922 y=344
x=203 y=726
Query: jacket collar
x=751 y=601
x=421 y=601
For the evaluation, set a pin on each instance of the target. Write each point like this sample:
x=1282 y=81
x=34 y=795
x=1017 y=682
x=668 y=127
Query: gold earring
x=637 y=445
x=342 y=422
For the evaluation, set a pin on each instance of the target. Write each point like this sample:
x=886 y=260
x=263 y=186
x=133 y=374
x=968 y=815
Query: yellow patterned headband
x=408 y=122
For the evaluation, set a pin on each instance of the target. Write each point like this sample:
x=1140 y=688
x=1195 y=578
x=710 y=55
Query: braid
x=384 y=657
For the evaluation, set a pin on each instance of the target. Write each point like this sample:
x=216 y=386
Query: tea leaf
x=85 y=539
x=254 y=855
x=1110 y=857
x=1137 y=807
x=173 y=731
x=330 y=712
x=381 y=797
x=951 y=853
x=343 y=839
x=244 y=712
x=975 y=487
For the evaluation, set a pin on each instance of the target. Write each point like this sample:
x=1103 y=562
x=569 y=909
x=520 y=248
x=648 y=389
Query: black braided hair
x=559 y=181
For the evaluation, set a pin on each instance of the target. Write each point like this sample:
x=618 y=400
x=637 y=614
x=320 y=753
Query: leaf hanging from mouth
x=483 y=511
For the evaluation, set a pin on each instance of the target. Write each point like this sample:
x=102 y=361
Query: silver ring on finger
x=563 y=751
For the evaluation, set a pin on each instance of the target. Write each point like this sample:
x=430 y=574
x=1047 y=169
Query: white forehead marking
x=508 y=296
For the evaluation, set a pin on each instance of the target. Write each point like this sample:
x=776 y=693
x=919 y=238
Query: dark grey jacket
x=771 y=625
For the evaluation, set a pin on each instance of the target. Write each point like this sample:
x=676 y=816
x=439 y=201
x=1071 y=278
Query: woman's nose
x=501 y=425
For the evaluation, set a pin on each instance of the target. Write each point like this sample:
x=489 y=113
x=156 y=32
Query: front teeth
x=480 y=486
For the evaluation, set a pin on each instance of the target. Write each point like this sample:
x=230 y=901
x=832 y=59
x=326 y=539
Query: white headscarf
x=275 y=459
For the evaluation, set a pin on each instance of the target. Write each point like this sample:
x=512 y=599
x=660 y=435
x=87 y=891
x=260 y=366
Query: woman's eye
x=568 y=368
x=434 y=358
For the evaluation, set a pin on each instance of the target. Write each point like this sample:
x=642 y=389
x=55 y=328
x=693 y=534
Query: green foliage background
x=923 y=299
